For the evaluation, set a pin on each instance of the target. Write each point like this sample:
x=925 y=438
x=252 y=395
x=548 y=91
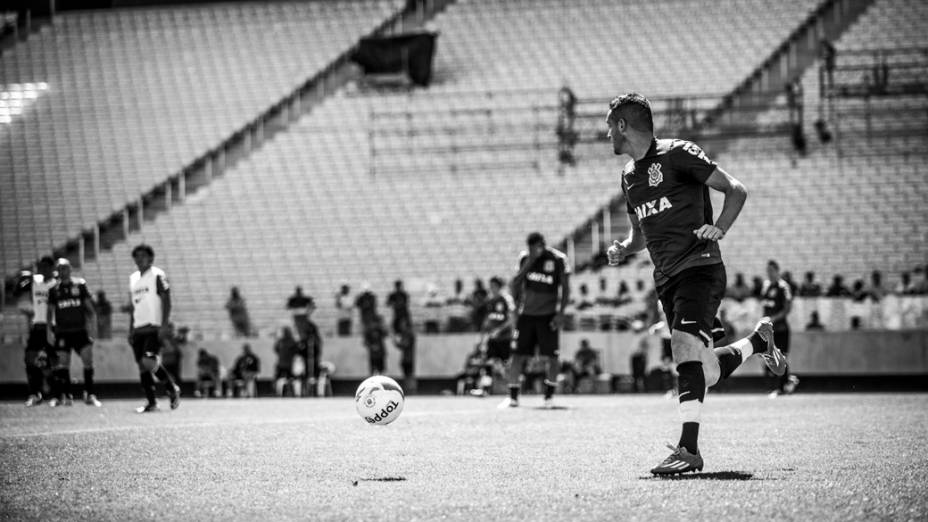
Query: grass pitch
x=804 y=457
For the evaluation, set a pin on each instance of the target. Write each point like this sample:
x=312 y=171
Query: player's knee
x=148 y=362
x=685 y=346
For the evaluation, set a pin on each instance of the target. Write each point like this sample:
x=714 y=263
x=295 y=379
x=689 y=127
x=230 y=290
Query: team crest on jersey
x=74 y=291
x=549 y=266
x=655 y=177
x=500 y=307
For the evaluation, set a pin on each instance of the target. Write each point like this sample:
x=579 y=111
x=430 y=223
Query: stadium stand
x=855 y=204
x=375 y=186
x=134 y=95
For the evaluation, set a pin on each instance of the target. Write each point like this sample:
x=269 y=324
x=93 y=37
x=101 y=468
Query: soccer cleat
x=67 y=401
x=774 y=359
x=548 y=404
x=174 y=394
x=680 y=461
x=53 y=402
x=147 y=408
x=34 y=400
x=791 y=383
x=508 y=402
x=91 y=400
x=774 y=394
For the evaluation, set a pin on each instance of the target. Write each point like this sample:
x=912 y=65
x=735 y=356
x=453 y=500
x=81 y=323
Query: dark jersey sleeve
x=691 y=161
x=85 y=293
x=628 y=204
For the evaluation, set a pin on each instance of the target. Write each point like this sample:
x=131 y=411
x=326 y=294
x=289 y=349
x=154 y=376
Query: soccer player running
x=37 y=284
x=542 y=289
x=149 y=322
x=777 y=301
x=73 y=320
x=666 y=186
x=496 y=331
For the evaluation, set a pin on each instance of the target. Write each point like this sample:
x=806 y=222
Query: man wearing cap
x=149 y=324
x=73 y=321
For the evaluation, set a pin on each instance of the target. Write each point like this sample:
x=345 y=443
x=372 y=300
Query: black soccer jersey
x=776 y=295
x=68 y=301
x=498 y=310
x=666 y=191
x=542 y=282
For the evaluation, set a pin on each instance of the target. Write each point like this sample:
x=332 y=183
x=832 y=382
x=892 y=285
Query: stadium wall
x=835 y=354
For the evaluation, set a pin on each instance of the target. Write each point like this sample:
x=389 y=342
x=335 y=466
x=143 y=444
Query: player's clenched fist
x=616 y=253
x=710 y=232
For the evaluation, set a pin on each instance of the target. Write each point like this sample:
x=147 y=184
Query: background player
x=72 y=318
x=149 y=321
x=778 y=301
x=497 y=333
x=38 y=348
x=542 y=289
x=666 y=186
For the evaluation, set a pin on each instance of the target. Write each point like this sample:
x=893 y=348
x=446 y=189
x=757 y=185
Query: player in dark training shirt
x=72 y=318
x=778 y=301
x=666 y=185
x=541 y=287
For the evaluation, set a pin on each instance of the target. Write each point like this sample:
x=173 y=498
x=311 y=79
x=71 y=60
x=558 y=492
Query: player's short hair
x=773 y=264
x=534 y=238
x=142 y=247
x=496 y=281
x=635 y=109
x=46 y=261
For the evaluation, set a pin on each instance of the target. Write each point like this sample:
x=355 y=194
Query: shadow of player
x=551 y=408
x=715 y=475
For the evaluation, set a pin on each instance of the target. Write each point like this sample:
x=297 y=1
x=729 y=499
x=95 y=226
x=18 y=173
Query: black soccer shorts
x=144 y=341
x=534 y=331
x=38 y=339
x=691 y=299
x=499 y=348
x=77 y=341
x=781 y=338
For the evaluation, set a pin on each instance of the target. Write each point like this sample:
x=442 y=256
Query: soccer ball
x=379 y=400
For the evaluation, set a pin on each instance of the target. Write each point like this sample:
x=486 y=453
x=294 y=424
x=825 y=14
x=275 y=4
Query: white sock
x=744 y=347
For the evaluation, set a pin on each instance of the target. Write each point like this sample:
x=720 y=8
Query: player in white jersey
x=37 y=284
x=150 y=296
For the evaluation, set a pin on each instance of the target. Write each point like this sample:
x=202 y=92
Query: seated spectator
x=625 y=295
x=238 y=313
x=209 y=381
x=837 y=288
x=604 y=298
x=584 y=301
x=245 y=373
x=586 y=363
x=740 y=290
x=809 y=287
x=474 y=368
x=905 y=286
x=858 y=292
x=757 y=287
x=876 y=290
x=457 y=309
x=639 y=365
x=814 y=324
x=584 y=306
x=286 y=349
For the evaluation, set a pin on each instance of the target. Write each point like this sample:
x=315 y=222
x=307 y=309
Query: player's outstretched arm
x=735 y=196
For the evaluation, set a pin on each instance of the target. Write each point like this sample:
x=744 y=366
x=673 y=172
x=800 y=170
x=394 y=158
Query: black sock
x=689 y=436
x=148 y=386
x=549 y=389
x=514 y=392
x=729 y=359
x=88 y=381
x=759 y=345
x=691 y=381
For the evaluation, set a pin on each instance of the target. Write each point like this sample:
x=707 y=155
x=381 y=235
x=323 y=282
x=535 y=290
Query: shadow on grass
x=383 y=479
x=715 y=475
x=551 y=408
